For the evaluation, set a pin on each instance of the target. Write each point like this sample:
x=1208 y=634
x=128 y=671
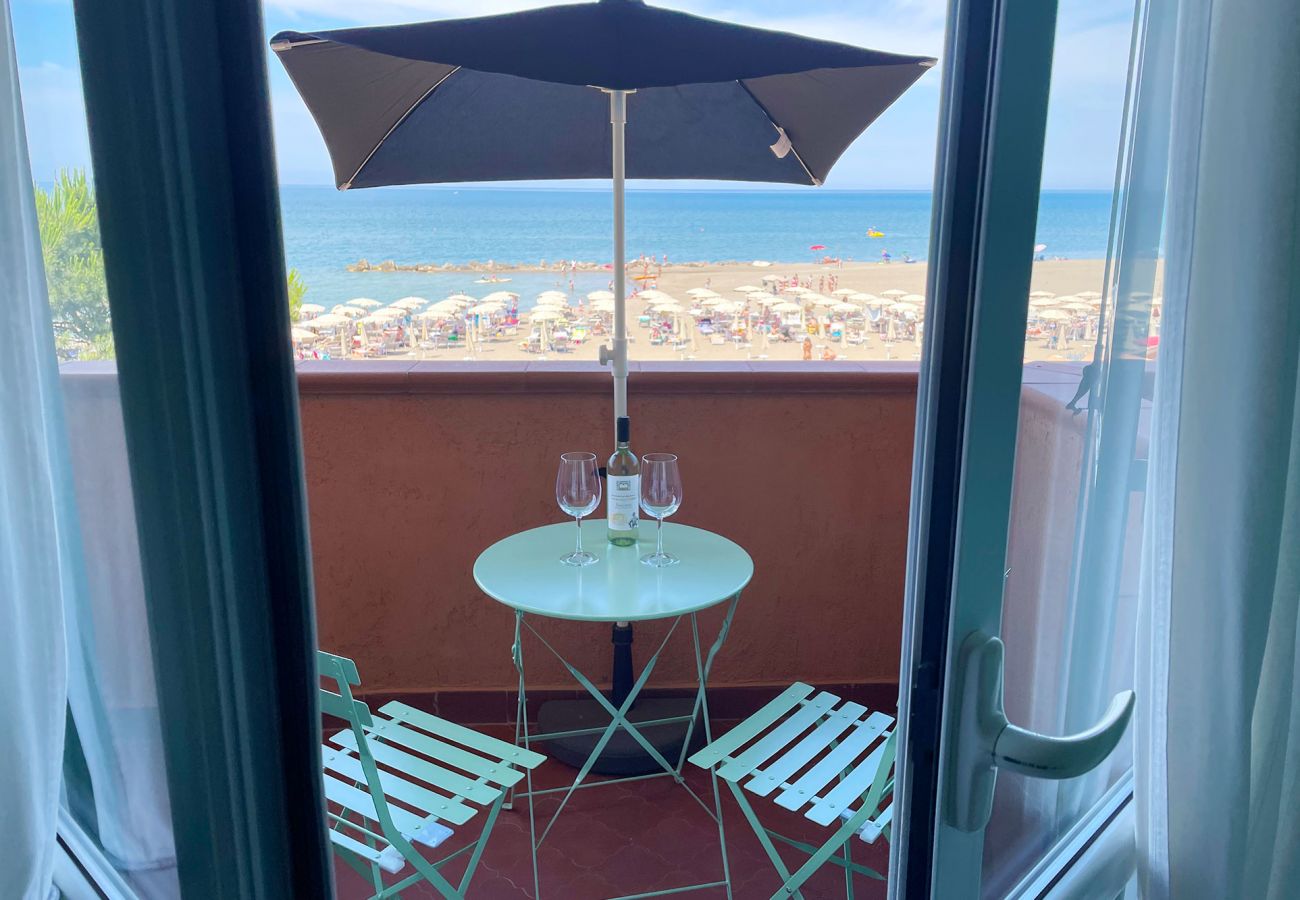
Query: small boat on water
x=491 y=279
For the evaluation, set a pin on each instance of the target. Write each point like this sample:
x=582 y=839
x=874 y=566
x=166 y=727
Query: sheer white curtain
x=35 y=501
x=1218 y=739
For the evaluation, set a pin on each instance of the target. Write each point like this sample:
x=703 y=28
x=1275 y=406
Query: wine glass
x=577 y=490
x=661 y=495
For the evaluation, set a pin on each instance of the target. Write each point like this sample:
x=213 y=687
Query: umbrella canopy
x=312 y=308
x=302 y=335
x=601 y=295
x=444 y=308
x=405 y=104
x=365 y=303
x=787 y=307
x=893 y=292
x=409 y=303
x=1040 y=302
x=329 y=320
x=500 y=297
x=351 y=312
x=546 y=314
x=843 y=292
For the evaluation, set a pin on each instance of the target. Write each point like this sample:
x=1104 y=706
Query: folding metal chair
x=832 y=763
x=433 y=772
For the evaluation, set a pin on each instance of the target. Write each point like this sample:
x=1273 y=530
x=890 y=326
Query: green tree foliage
x=297 y=288
x=74 y=266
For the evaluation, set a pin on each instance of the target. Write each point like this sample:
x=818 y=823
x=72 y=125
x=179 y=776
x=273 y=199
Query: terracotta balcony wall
x=413 y=469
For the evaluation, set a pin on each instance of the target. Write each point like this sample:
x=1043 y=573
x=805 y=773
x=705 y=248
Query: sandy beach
x=1060 y=277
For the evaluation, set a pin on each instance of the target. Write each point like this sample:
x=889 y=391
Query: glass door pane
x=1075 y=535
x=115 y=796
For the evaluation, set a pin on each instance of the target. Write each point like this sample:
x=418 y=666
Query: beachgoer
x=807 y=348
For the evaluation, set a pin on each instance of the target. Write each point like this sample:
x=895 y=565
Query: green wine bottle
x=622 y=489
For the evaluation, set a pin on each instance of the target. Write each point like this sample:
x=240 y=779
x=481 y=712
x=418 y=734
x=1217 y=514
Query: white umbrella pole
x=617 y=356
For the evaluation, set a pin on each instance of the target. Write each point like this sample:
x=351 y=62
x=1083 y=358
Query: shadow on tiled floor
x=631 y=838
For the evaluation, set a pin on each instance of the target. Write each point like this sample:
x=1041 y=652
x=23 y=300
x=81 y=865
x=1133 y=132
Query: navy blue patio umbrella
x=546 y=94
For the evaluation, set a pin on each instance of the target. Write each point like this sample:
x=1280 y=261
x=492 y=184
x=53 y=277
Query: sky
x=896 y=153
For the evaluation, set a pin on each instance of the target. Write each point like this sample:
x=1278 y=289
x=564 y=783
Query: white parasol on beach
x=652 y=294
x=409 y=303
x=444 y=308
x=785 y=306
x=668 y=306
x=913 y=298
x=601 y=295
x=485 y=309
x=463 y=299
x=843 y=292
x=862 y=298
x=846 y=307
x=302 y=335
x=1088 y=295
x=352 y=312
x=893 y=292
x=1037 y=295
x=1042 y=302
x=311 y=308
x=365 y=303
x=545 y=314
x=604 y=306
x=749 y=289
x=1053 y=315
x=329 y=320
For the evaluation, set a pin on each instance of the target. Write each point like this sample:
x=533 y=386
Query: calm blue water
x=326 y=229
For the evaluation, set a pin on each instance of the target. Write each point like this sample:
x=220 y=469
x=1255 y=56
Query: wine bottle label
x=624 y=492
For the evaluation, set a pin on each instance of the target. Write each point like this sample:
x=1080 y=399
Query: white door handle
x=986 y=741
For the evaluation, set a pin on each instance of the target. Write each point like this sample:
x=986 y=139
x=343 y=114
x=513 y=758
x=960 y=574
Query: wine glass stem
x=659 y=538
x=578 y=548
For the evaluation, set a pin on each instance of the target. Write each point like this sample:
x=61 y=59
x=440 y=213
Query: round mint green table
x=524 y=572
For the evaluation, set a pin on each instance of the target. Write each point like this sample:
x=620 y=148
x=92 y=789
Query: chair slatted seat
x=811 y=753
x=404 y=777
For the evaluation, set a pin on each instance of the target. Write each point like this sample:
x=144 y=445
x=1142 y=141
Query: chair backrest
x=342 y=673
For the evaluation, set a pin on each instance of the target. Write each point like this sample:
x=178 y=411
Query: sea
x=325 y=230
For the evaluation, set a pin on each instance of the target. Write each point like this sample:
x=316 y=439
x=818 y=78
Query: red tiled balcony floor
x=630 y=838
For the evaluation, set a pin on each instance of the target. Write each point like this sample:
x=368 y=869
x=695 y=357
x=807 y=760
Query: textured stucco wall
x=413 y=470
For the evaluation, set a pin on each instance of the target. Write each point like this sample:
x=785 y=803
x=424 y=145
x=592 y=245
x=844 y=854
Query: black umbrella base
x=622 y=755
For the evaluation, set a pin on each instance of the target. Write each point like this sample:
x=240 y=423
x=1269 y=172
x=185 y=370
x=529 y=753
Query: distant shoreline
x=491 y=267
